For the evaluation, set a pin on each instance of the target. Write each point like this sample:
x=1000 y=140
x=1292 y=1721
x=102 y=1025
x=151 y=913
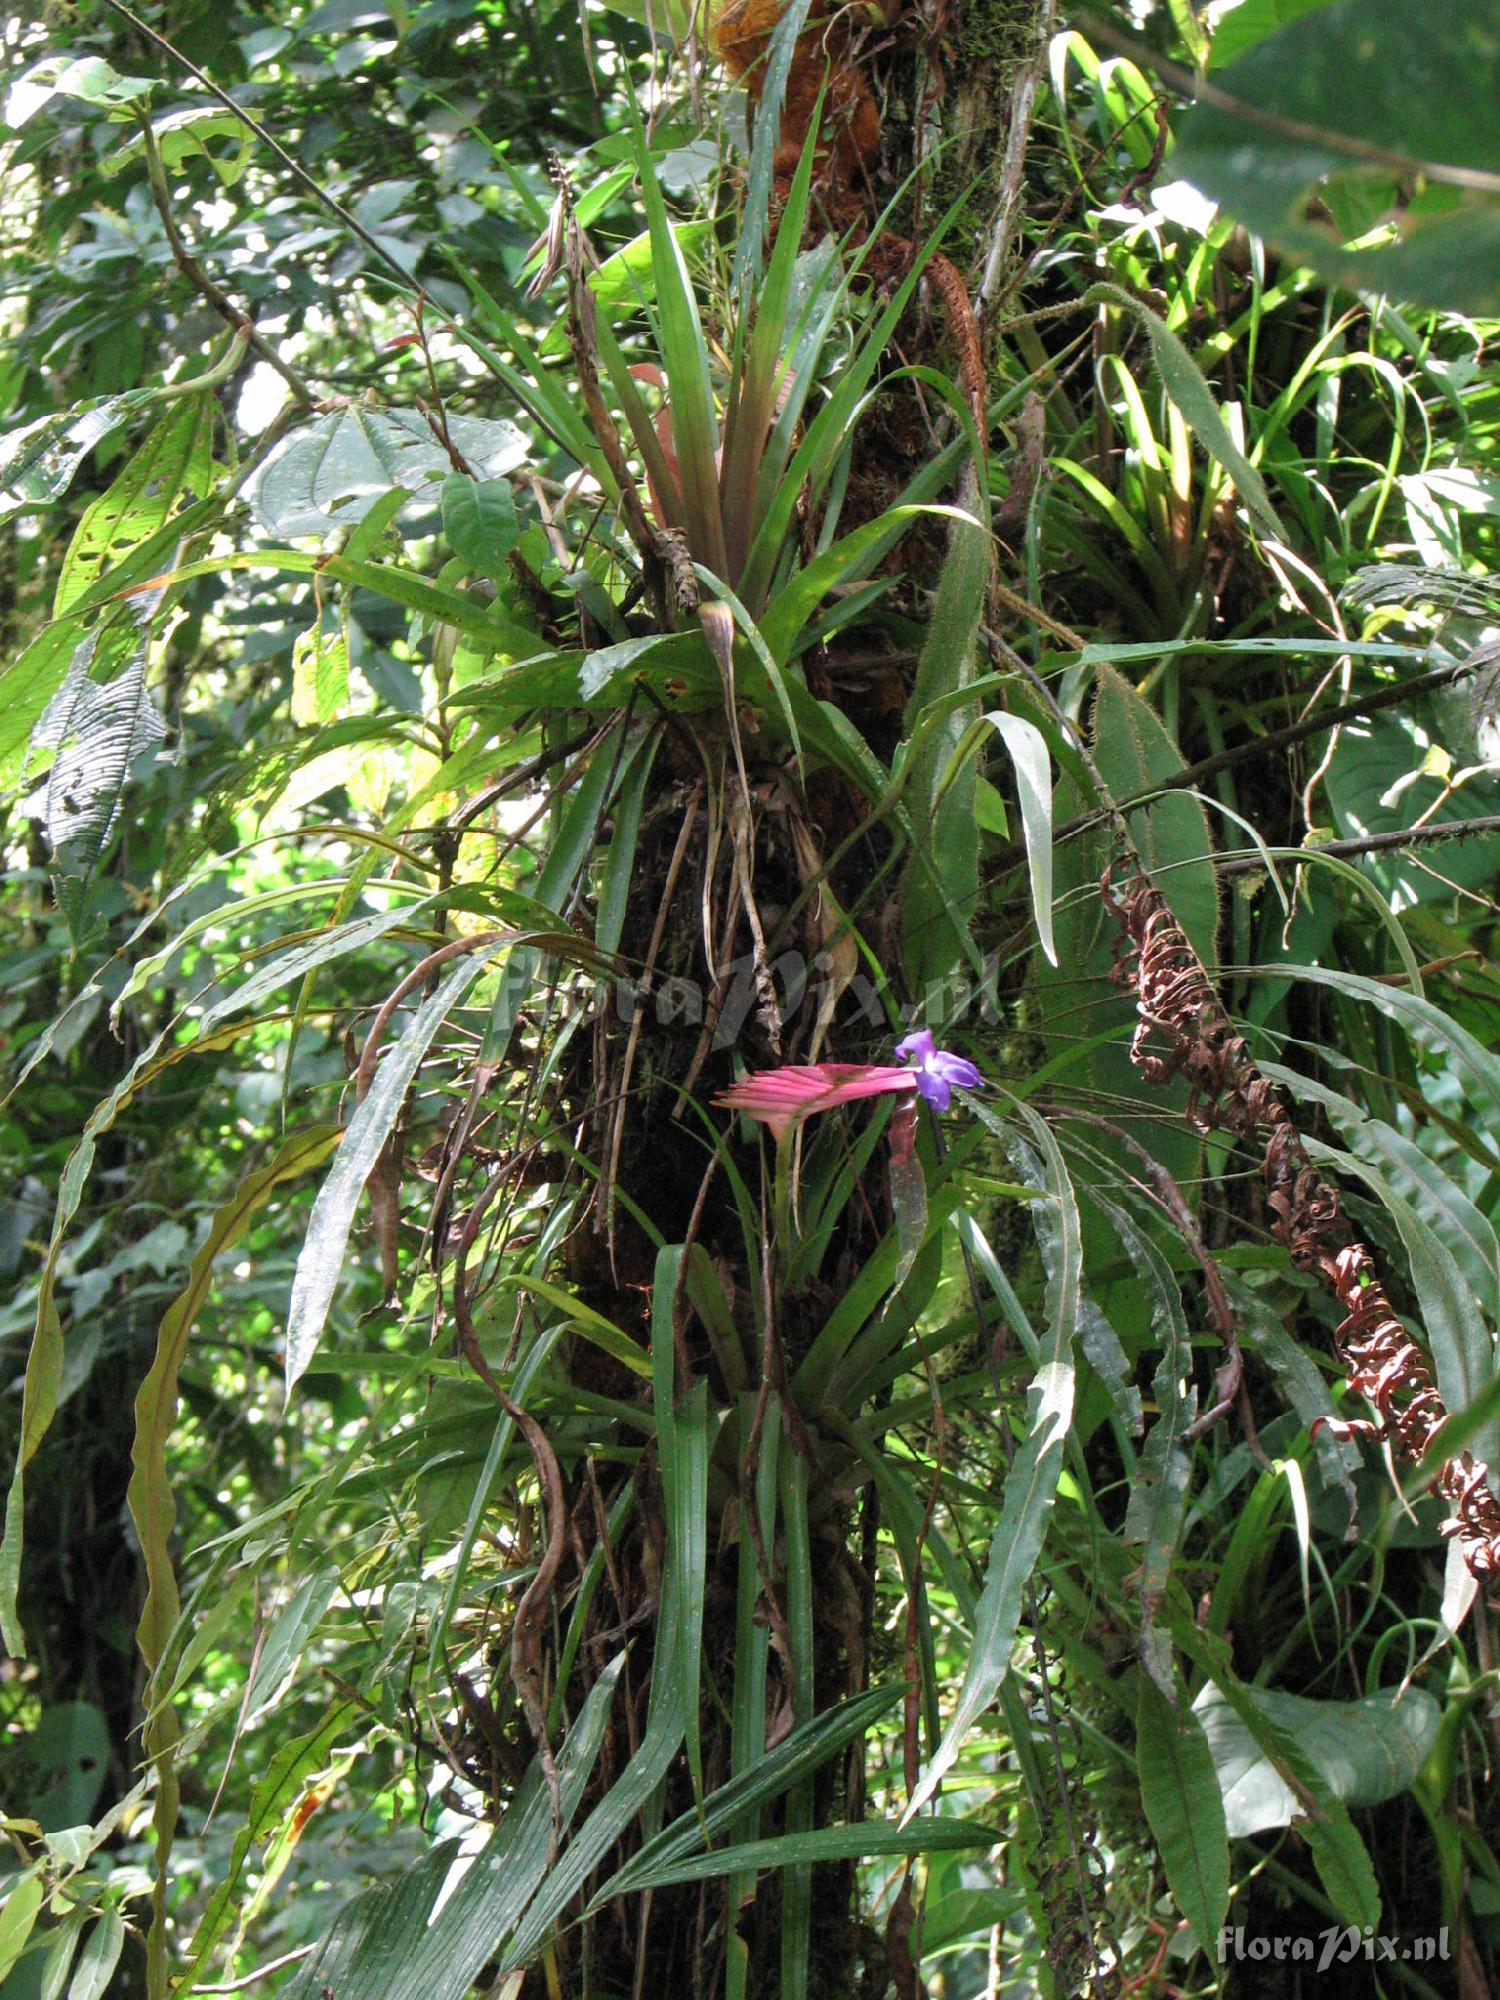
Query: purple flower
x=939 y=1073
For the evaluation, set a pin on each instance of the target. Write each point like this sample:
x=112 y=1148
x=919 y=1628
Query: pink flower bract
x=779 y=1097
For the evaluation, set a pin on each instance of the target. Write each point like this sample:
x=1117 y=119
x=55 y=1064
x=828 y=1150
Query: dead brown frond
x=1183 y=1030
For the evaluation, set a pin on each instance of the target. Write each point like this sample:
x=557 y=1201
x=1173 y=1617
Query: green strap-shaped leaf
x=804 y=1751
x=1027 y=749
x=942 y=876
x=387 y=1946
x=1476 y=1067
x=1031 y=1482
x=682 y=1441
x=631 y=1791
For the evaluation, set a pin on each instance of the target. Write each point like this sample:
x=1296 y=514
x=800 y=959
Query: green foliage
x=1358 y=142
x=591 y=637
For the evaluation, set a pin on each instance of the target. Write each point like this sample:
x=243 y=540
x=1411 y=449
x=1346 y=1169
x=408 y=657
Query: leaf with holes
x=174 y=458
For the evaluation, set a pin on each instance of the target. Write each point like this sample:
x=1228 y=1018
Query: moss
x=981 y=55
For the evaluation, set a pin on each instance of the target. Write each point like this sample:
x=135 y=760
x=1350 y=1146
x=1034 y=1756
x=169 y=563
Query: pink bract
x=778 y=1097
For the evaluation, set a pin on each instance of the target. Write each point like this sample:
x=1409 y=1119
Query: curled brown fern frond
x=1182 y=1029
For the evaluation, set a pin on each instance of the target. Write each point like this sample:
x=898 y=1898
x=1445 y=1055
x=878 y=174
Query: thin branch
x=1013 y=167
x=1275 y=739
x=1376 y=843
x=202 y=283
x=261 y=1972
x=299 y=173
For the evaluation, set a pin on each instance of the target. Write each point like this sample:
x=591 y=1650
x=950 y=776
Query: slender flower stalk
x=780 y=1098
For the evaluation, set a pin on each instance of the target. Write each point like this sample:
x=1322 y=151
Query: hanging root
x=1183 y=1030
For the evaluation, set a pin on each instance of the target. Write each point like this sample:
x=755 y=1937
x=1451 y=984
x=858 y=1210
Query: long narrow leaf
x=1031 y=1483
x=322 y=1259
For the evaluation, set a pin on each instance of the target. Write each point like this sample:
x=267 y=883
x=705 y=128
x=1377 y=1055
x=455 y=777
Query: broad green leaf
x=18 y=1915
x=88 y=78
x=1365 y=1751
x=58 y=1961
x=1135 y=753
x=627 y=277
x=331 y=470
x=30 y=681
x=184 y=135
x=1368 y=147
x=479 y=519
x=37 y=462
x=68 y=1753
x=1249 y=22
x=1183 y=1807
x=320 y=677
x=1339 y=1855
x=98 y=1958
x=97 y=730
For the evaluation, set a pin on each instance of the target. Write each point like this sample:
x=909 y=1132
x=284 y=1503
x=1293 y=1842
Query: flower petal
x=957 y=1070
x=935 y=1087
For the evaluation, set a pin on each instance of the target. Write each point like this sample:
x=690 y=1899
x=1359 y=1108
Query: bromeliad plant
x=672 y=1538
